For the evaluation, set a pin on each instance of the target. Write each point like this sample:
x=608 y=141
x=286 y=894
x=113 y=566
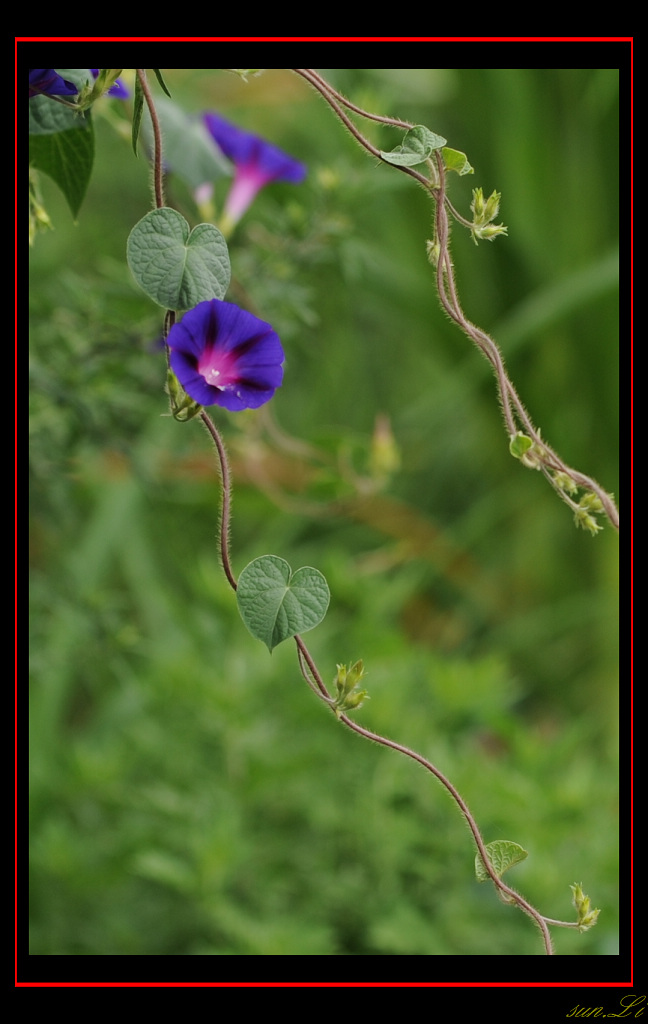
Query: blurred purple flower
x=257 y=163
x=46 y=80
x=224 y=356
x=118 y=89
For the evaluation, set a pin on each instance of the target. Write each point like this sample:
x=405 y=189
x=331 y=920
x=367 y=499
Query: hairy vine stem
x=450 y=302
x=314 y=679
x=336 y=100
x=158 y=169
x=554 y=469
x=227 y=498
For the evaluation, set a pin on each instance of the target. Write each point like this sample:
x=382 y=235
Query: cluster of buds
x=588 y=506
x=532 y=455
x=348 y=696
x=589 y=503
x=484 y=211
x=587 y=917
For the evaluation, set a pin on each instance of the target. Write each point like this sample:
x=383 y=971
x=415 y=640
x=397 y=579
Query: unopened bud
x=349 y=697
x=384 y=458
x=565 y=482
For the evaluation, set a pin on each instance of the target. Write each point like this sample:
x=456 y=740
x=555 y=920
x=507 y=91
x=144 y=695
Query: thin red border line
x=326 y=39
x=632 y=915
x=382 y=984
x=323 y=984
x=593 y=985
x=16 y=530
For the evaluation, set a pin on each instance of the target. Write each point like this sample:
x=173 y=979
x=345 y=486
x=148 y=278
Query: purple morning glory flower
x=224 y=356
x=257 y=163
x=46 y=80
x=118 y=89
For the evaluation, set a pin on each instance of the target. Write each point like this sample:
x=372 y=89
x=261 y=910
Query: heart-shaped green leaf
x=503 y=854
x=177 y=267
x=276 y=603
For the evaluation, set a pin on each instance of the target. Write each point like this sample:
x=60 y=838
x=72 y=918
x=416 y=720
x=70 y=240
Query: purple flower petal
x=46 y=80
x=223 y=355
x=257 y=163
x=244 y=148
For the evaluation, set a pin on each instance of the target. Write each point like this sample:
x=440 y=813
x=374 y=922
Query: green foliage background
x=188 y=795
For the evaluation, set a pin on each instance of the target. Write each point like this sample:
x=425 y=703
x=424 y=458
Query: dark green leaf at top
x=61 y=142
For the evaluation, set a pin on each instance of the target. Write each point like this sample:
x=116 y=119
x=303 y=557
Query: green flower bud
x=565 y=482
x=478 y=205
x=592 y=502
x=492 y=206
x=183 y=408
x=587 y=917
x=583 y=519
x=354 y=700
x=484 y=211
x=354 y=675
x=433 y=251
x=489 y=231
x=384 y=457
x=340 y=680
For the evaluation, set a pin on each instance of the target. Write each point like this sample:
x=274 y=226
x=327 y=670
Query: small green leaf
x=276 y=603
x=158 y=75
x=417 y=145
x=177 y=267
x=520 y=444
x=503 y=854
x=457 y=161
x=138 y=109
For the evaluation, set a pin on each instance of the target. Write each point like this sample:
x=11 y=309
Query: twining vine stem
x=227 y=498
x=314 y=679
x=545 y=458
x=158 y=167
x=448 y=295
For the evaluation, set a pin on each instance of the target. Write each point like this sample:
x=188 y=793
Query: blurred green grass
x=188 y=796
